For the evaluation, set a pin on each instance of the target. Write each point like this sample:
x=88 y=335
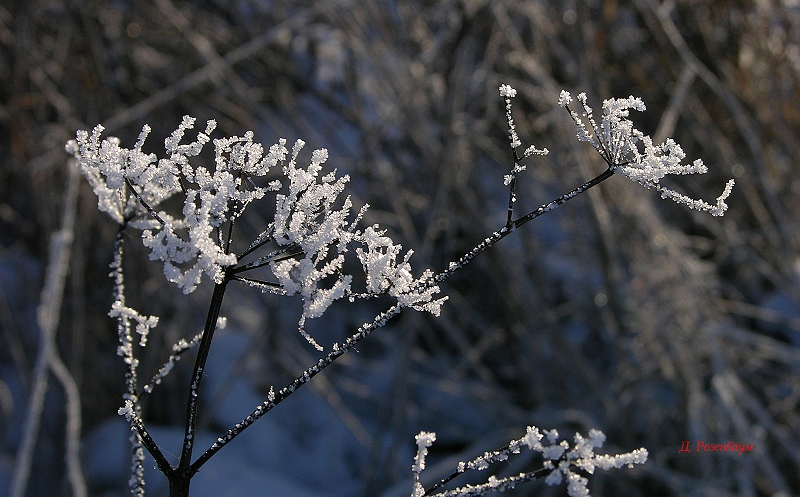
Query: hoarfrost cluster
x=630 y=152
x=143 y=326
x=311 y=232
x=561 y=460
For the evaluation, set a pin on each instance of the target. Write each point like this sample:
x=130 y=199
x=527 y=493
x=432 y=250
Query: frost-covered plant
x=560 y=463
x=304 y=249
x=311 y=232
x=630 y=152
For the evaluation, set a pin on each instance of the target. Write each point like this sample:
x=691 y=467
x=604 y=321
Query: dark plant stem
x=179 y=486
x=144 y=202
x=522 y=477
x=179 y=477
x=454 y=474
x=151 y=446
x=512 y=194
x=563 y=198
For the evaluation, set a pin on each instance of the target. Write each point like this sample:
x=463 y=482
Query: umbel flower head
x=630 y=152
x=311 y=231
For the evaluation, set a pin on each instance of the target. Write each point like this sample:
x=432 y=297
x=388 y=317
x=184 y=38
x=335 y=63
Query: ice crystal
x=127 y=410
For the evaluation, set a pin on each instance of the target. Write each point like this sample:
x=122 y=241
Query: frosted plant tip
x=507 y=91
x=564 y=98
x=127 y=410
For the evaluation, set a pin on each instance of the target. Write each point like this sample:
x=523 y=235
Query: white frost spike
x=564 y=98
x=424 y=440
x=508 y=93
x=319 y=156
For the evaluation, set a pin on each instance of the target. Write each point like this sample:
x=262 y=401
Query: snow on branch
x=561 y=463
x=507 y=92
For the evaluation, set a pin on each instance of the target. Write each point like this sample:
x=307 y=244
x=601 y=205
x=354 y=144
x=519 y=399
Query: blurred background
x=618 y=311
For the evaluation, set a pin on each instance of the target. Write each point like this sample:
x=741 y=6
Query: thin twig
x=256 y=282
x=177 y=352
x=143 y=202
x=513 y=480
x=151 y=446
x=48 y=318
x=512 y=191
x=276 y=256
x=72 y=458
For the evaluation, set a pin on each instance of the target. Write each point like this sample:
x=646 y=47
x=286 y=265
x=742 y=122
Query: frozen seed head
x=631 y=153
x=313 y=226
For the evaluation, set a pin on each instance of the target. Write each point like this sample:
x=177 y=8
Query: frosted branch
x=177 y=352
x=561 y=460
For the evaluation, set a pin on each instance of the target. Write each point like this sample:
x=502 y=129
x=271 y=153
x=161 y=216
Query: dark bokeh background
x=618 y=311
